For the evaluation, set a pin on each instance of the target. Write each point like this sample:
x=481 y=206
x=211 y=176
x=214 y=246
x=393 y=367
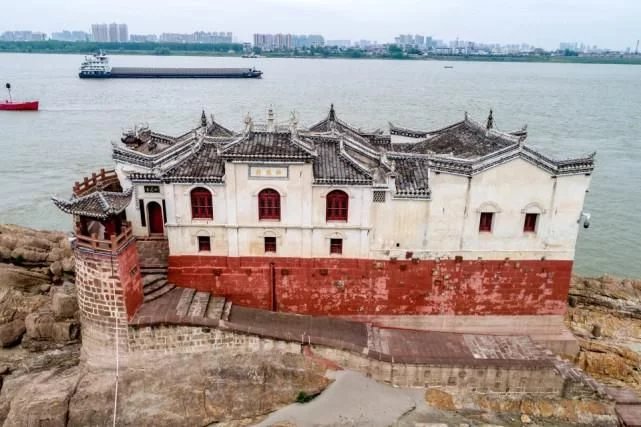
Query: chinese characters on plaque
x=274 y=172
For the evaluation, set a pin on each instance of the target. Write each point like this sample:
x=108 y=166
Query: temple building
x=464 y=228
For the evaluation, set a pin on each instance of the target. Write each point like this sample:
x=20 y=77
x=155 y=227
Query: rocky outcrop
x=533 y=409
x=566 y=411
x=175 y=391
x=605 y=316
x=619 y=296
x=24 y=246
x=11 y=333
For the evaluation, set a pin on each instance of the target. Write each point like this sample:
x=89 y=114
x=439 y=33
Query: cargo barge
x=98 y=67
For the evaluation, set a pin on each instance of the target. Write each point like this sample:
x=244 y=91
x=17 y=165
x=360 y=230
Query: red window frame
x=204 y=244
x=269 y=204
x=529 y=225
x=336 y=246
x=202 y=206
x=485 y=223
x=336 y=206
x=270 y=244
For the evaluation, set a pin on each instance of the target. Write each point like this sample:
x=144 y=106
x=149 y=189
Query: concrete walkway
x=351 y=400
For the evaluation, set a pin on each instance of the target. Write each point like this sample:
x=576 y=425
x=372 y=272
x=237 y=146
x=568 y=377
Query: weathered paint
x=337 y=286
x=445 y=226
x=130 y=278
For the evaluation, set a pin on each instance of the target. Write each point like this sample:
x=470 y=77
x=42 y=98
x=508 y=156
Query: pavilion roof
x=98 y=205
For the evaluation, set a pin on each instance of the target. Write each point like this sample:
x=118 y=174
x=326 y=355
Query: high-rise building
x=113 y=32
x=123 y=33
x=287 y=41
x=274 y=41
x=316 y=40
x=419 y=40
x=283 y=41
x=100 y=32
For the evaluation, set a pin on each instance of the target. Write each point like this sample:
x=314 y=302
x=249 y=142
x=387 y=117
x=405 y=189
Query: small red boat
x=10 y=105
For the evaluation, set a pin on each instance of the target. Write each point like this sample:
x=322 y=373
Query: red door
x=156 y=222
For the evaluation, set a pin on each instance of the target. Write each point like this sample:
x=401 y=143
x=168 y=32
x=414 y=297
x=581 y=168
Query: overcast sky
x=544 y=23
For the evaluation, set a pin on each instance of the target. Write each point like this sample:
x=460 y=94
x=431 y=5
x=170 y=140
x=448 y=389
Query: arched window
x=336 y=206
x=201 y=203
x=269 y=204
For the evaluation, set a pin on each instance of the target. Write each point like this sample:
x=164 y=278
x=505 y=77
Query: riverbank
x=235 y=50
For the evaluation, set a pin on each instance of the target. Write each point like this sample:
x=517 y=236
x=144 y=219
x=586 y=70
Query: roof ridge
x=101 y=198
x=343 y=153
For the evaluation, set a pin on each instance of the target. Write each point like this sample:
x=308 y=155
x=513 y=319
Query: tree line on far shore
x=56 y=46
x=237 y=49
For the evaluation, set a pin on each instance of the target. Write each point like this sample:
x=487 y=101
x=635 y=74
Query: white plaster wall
x=448 y=224
x=237 y=231
x=445 y=226
x=512 y=187
x=399 y=225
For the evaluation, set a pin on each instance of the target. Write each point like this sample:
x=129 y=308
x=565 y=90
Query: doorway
x=156 y=223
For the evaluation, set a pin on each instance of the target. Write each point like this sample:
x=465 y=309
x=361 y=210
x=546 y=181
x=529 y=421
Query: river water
x=570 y=109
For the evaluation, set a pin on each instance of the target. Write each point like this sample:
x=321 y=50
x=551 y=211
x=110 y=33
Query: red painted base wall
x=353 y=286
x=130 y=278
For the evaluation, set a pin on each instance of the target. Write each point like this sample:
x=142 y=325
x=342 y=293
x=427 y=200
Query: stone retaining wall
x=514 y=380
x=196 y=339
x=544 y=381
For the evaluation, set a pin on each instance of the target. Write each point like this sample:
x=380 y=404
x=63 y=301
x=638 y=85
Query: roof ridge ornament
x=293 y=123
x=490 y=121
x=271 y=125
x=203 y=119
x=332 y=113
x=249 y=123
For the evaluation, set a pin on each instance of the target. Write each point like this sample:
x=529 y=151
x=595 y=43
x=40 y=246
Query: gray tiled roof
x=268 y=146
x=99 y=204
x=342 y=154
x=412 y=177
x=204 y=165
x=332 y=167
x=462 y=140
x=216 y=129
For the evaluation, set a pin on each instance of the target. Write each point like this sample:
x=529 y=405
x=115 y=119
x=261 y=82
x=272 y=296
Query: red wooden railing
x=104 y=178
x=111 y=245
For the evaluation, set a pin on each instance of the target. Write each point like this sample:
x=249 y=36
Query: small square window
x=378 y=197
x=336 y=246
x=204 y=244
x=530 y=222
x=270 y=244
x=485 y=223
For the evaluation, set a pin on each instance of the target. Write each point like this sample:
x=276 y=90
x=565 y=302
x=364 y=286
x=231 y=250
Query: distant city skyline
x=543 y=23
x=118 y=33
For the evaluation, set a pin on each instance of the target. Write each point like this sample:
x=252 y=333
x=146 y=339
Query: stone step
x=226 y=310
x=215 y=308
x=154 y=286
x=153 y=270
x=167 y=287
x=149 y=279
x=198 y=305
x=185 y=302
